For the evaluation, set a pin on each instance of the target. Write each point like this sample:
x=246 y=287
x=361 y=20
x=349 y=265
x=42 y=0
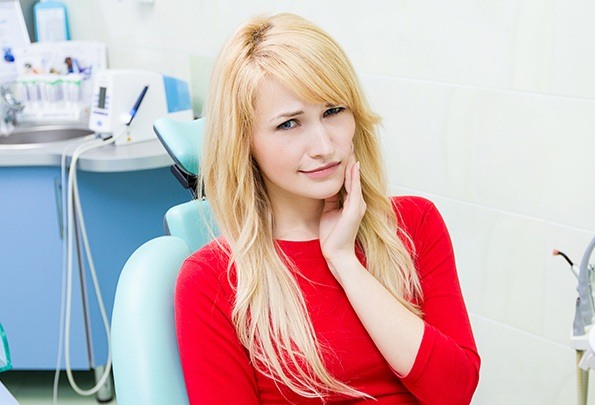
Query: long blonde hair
x=269 y=311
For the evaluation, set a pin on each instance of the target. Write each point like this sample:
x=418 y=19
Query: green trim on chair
x=5 y=366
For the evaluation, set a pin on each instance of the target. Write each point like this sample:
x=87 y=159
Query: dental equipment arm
x=584 y=304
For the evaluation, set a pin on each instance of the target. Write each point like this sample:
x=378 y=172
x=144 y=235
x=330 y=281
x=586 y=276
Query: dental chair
x=146 y=363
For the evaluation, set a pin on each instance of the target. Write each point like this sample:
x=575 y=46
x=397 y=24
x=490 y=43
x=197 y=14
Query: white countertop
x=109 y=158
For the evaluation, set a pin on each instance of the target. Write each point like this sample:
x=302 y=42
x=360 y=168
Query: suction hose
x=584 y=285
x=586 y=302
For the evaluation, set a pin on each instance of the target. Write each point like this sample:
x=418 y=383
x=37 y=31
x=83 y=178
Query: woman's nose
x=321 y=143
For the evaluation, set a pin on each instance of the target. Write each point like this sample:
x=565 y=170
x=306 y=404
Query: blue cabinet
x=31 y=270
x=122 y=210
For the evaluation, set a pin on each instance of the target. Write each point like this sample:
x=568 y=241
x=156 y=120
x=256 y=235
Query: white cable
x=83 y=229
x=65 y=153
x=72 y=197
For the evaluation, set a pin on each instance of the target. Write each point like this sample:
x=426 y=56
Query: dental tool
x=583 y=338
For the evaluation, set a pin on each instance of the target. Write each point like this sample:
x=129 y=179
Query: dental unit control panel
x=126 y=102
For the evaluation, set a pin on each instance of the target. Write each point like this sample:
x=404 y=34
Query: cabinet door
x=31 y=271
x=122 y=211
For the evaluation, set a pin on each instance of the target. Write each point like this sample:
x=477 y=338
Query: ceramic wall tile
x=200 y=75
x=171 y=63
x=532 y=150
x=124 y=22
x=471 y=231
x=524 y=153
x=526 y=46
x=499 y=44
x=523 y=369
x=414 y=119
x=573 y=49
x=505 y=255
x=84 y=21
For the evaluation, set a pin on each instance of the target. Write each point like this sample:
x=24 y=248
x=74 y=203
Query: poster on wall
x=13 y=34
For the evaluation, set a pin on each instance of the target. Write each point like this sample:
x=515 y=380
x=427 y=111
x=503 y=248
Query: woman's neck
x=296 y=220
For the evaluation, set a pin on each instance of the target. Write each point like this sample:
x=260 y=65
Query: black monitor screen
x=101 y=101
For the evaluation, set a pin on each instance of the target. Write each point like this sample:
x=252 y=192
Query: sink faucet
x=10 y=107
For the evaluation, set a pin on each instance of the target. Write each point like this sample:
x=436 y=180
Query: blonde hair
x=269 y=311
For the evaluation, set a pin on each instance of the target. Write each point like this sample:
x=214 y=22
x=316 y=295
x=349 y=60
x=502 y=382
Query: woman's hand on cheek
x=339 y=225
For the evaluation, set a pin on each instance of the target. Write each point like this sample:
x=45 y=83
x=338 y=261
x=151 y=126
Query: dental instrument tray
x=55 y=79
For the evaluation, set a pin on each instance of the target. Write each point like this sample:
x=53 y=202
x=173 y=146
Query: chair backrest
x=146 y=362
x=191 y=221
x=182 y=140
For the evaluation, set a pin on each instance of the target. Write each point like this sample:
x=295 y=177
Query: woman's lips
x=322 y=172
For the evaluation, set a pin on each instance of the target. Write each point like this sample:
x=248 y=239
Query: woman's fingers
x=349 y=174
x=339 y=225
x=355 y=194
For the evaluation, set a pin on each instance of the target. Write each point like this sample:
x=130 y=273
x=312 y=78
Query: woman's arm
x=396 y=331
x=435 y=357
x=215 y=365
x=447 y=360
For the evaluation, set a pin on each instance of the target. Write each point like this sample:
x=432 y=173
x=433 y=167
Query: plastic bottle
x=51 y=21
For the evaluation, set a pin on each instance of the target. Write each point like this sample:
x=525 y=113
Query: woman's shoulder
x=412 y=206
x=415 y=214
x=209 y=262
x=215 y=251
x=203 y=279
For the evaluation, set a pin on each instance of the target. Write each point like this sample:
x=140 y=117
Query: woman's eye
x=333 y=111
x=287 y=125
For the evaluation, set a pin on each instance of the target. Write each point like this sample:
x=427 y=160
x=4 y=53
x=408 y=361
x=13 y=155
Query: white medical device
x=126 y=102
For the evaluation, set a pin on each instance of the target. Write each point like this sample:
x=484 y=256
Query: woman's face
x=302 y=148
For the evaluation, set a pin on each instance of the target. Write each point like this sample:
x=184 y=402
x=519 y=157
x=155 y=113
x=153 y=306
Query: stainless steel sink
x=38 y=135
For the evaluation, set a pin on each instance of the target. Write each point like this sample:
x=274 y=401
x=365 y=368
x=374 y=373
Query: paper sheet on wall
x=13 y=34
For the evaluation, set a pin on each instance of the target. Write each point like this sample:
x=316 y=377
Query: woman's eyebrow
x=288 y=114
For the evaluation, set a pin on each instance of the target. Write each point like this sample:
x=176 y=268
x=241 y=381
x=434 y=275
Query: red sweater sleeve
x=446 y=369
x=215 y=365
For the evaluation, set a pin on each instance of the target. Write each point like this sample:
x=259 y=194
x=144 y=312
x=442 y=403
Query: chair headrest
x=183 y=141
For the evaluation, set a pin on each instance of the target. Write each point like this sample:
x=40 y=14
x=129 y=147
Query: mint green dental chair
x=146 y=364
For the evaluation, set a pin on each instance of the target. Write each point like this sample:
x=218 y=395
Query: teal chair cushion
x=145 y=353
x=146 y=360
x=193 y=222
x=183 y=141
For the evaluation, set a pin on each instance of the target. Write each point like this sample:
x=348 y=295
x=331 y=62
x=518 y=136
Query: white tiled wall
x=489 y=110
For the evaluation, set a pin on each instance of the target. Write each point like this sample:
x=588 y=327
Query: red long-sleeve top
x=216 y=366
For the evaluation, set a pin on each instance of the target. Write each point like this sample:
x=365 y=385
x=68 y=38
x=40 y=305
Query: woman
x=320 y=289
